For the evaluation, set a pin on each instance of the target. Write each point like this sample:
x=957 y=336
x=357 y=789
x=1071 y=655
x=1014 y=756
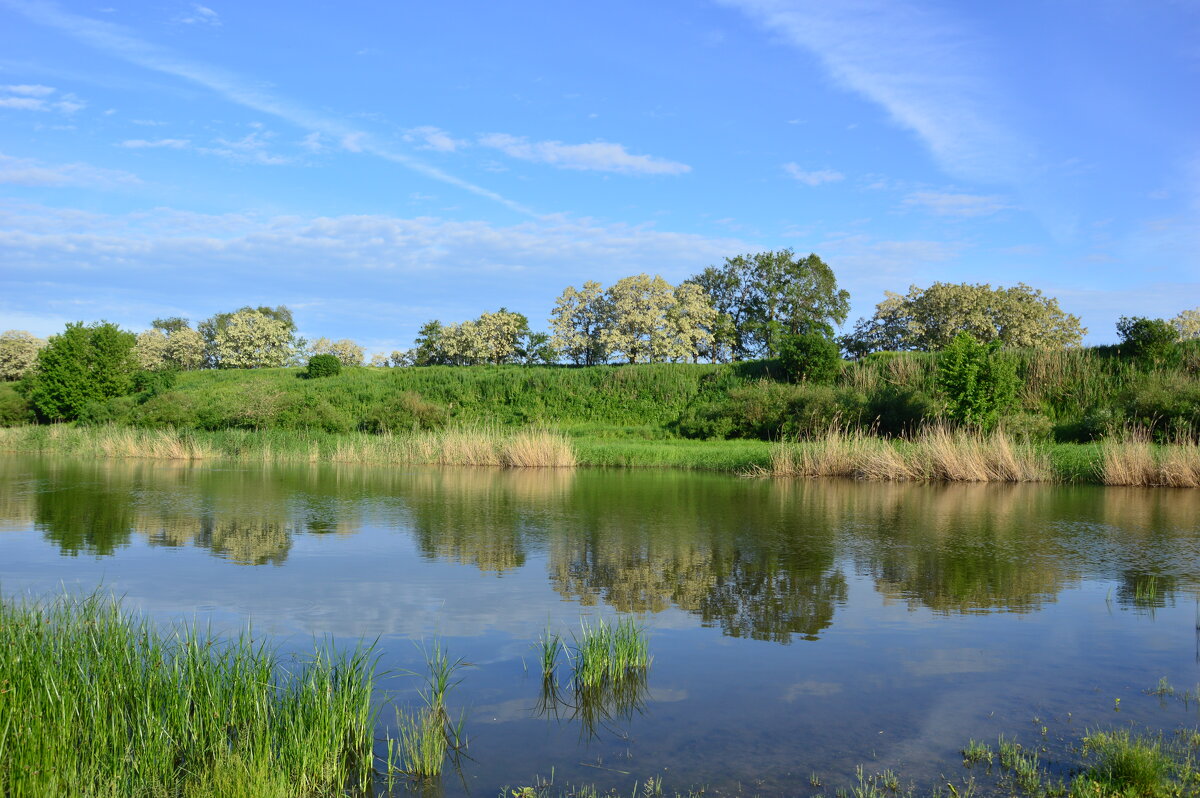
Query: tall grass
x=608 y=654
x=1136 y=461
x=934 y=454
x=98 y=702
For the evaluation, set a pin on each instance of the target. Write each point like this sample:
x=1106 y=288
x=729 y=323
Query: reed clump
x=934 y=454
x=425 y=736
x=1135 y=461
x=99 y=702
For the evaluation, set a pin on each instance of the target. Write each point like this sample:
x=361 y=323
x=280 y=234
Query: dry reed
x=1137 y=462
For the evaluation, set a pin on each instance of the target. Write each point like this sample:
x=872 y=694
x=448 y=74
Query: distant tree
x=82 y=365
x=1152 y=342
x=346 y=351
x=690 y=323
x=151 y=350
x=497 y=336
x=537 y=348
x=430 y=348
x=401 y=358
x=640 y=323
x=212 y=327
x=930 y=318
x=810 y=358
x=380 y=361
x=170 y=325
x=185 y=349
x=249 y=339
x=18 y=353
x=771 y=294
x=577 y=321
x=1187 y=324
x=978 y=384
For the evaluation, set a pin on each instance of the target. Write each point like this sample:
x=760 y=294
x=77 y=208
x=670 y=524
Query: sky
x=376 y=165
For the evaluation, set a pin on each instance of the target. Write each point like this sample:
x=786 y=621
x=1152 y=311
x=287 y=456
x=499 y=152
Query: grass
x=99 y=702
x=933 y=454
x=606 y=654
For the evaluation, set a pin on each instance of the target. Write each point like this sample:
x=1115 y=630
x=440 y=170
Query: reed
x=100 y=702
x=608 y=654
x=1135 y=461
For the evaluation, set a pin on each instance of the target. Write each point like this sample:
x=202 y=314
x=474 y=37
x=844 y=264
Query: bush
x=896 y=412
x=14 y=408
x=1151 y=342
x=408 y=413
x=323 y=366
x=82 y=366
x=977 y=382
x=810 y=358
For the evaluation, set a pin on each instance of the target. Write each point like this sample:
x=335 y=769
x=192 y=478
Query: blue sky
x=375 y=165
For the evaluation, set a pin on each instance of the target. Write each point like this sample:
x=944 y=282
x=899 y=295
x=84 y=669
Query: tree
x=770 y=294
x=212 y=327
x=497 y=336
x=346 y=351
x=578 y=318
x=82 y=365
x=1152 y=342
x=18 y=353
x=1187 y=324
x=249 y=339
x=430 y=349
x=640 y=323
x=151 y=350
x=977 y=383
x=930 y=318
x=185 y=349
x=810 y=358
x=170 y=325
x=690 y=322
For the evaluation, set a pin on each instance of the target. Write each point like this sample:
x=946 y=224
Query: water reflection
x=757 y=559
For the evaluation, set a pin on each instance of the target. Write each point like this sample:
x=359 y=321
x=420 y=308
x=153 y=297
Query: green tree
x=18 y=353
x=976 y=381
x=430 y=345
x=771 y=294
x=82 y=365
x=810 y=358
x=1152 y=342
x=930 y=318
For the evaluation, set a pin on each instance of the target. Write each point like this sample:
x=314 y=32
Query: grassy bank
x=934 y=454
x=96 y=702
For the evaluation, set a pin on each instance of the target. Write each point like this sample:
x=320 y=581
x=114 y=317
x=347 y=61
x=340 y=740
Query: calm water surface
x=795 y=626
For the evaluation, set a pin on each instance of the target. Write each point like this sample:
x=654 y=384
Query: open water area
x=796 y=627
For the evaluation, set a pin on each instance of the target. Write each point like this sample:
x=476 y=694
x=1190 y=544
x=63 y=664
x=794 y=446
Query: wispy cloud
x=119 y=42
x=200 y=15
x=952 y=204
x=433 y=138
x=30 y=172
x=150 y=144
x=921 y=67
x=814 y=178
x=251 y=148
x=34 y=97
x=599 y=156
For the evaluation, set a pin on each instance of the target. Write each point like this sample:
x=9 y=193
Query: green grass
x=607 y=654
x=98 y=702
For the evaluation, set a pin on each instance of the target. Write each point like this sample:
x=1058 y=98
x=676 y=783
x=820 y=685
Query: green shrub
x=810 y=358
x=323 y=366
x=896 y=412
x=817 y=408
x=976 y=381
x=1153 y=343
x=408 y=412
x=81 y=366
x=14 y=408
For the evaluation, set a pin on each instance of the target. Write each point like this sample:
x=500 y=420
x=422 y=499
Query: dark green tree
x=430 y=349
x=171 y=324
x=977 y=382
x=768 y=295
x=810 y=358
x=1152 y=342
x=84 y=364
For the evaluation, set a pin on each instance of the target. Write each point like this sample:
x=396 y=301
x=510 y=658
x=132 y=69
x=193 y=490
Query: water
x=796 y=627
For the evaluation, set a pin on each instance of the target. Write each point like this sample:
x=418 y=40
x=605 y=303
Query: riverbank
x=936 y=454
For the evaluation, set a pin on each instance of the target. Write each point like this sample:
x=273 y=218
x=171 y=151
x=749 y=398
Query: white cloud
x=200 y=15
x=24 y=103
x=952 y=204
x=600 y=156
x=143 y=144
x=313 y=143
x=118 y=41
x=925 y=71
x=29 y=90
x=29 y=172
x=814 y=178
x=433 y=138
x=251 y=148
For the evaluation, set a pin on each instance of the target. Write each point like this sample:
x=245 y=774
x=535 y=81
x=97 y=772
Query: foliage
x=84 y=364
x=345 y=351
x=1151 y=342
x=324 y=365
x=151 y=349
x=173 y=346
x=810 y=358
x=977 y=382
x=18 y=353
x=651 y=321
x=251 y=339
x=766 y=295
x=577 y=321
x=929 y=319
x=497 y=338
x=1187 y=323
x=14 y=408
x=409 y=412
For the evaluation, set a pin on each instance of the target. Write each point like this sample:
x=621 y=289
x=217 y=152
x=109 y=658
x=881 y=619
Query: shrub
x=1151 y=342
x=810 y=358
x=978 y=384
x=896 y=412
x=408 y=413
x=14 y=408
x=83 y=365
x=325 y=365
